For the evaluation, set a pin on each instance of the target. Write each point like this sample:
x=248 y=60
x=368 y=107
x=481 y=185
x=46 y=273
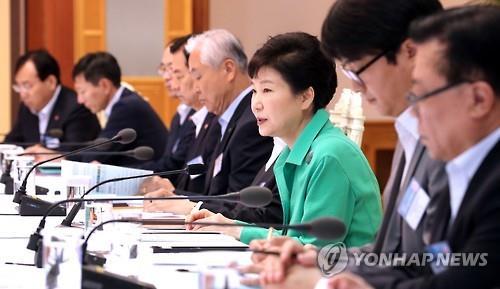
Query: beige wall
x=253 y=21
x=5 y=78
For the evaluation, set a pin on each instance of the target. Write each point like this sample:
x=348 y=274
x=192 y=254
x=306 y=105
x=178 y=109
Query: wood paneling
x=178 y=18
x=50 y=26
x=379 y=142
x=89 y=27
x=201 y=11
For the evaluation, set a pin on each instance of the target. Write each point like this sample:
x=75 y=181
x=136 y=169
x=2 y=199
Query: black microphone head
x=196 y=169
x=255 y=196
x=143 y=153
x=327 y=228
x=125 y=136
x=104 y=147
x=55 y=133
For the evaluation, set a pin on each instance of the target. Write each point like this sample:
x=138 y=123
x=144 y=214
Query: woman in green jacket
x=320 y=172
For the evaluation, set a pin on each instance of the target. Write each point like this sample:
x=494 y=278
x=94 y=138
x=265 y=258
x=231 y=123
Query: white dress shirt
x=113 y=101
x=279 y=145
x=462 y=168
x=407 y=130
x=45 y=112
x=183 y=111
x=198 y=119
x=225 y=118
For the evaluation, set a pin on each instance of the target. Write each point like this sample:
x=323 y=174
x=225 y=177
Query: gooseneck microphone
x=253 y=196
x=194 y=169
x=124 y=136
x=142 y=153
x=32 y=206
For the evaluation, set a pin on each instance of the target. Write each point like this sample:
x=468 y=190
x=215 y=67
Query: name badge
x=51 y=142
x=218 y=165
x=196 y=160
x=439 y=252
x=413 y=204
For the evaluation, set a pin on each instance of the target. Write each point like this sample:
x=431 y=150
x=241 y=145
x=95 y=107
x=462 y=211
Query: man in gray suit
x=378 y=58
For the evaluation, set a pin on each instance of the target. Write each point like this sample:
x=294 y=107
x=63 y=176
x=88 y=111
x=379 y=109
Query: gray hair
x=217 y=45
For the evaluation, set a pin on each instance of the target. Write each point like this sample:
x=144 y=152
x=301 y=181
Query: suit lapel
x=415 y=160
x=490 y=163
x=55 y=114
x=245 y=102
x=221 y=146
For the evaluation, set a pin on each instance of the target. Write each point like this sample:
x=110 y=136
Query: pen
x=270 y=233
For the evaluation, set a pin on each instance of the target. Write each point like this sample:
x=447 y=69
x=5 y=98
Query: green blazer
x=325 y=174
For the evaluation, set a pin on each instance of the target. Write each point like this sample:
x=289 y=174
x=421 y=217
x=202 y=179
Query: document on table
x=101 y=172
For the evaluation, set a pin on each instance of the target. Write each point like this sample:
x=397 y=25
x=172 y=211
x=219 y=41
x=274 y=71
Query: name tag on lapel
x=413 y=204
x=51 y=142
x=263 y=184
x=218 y=165
x=437 y=250
x=196 y=160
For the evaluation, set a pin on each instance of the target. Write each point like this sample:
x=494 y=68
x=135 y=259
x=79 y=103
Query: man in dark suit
x=97 y=82
x=182 y=130
x=48 y=106
x=457 y=103
x=218 y=65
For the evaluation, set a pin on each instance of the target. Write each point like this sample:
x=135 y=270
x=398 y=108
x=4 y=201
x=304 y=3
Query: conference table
x=174 y=266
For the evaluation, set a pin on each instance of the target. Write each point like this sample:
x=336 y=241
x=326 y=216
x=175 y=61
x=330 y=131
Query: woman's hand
x=207 y=216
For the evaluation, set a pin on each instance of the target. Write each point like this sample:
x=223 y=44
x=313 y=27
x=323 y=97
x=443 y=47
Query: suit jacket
x=475 y=229
x=241 y=153
x=203 y=146
x=179 y=141
x=132 y=111
x=272 y=213
x=77 y=122
x=431 y=176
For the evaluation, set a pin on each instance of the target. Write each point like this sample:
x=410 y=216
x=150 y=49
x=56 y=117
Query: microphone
x=194 y=169
x=142 y=153
x=35 y=206
x=253 y=196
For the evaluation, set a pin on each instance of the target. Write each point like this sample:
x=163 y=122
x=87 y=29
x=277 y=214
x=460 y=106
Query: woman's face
x=279 y=112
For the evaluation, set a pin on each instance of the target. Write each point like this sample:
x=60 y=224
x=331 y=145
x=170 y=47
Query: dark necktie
x=437 y=218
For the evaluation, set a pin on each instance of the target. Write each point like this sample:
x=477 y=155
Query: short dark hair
x=471 y=39
x=297 y=56
x=356 y=28
x=97 y=65
x=179 y=43
x=44 y=62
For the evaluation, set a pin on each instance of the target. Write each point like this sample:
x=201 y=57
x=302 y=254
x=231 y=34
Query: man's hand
x=37 y=149
x=153 y=184
x=273 y=269
x=347 y=281
x=182 y=207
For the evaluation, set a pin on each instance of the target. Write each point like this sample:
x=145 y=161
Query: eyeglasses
x=25 y=87
x=355 y=75
x=413 y=98
x=162 y=70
